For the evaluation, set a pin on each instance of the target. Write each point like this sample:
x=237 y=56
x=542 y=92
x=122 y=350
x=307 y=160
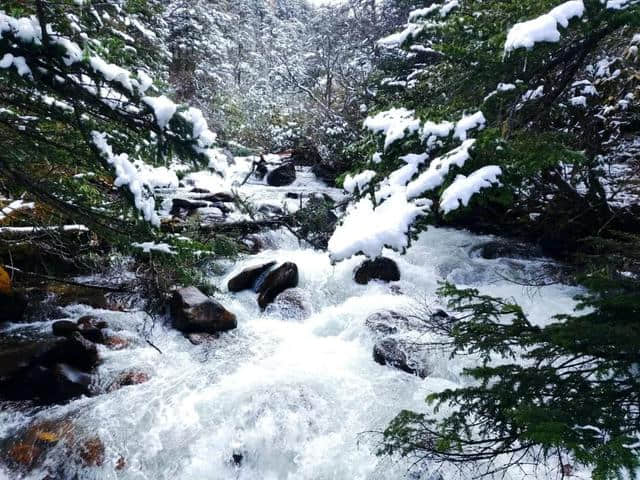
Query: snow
x=442 y=9
x=367 y=229
x=543 y=28
x=467 y=123
x=64 y=228
x=9 y=60
x=148 y=247
x=14 y=207
x=127 y=174
x=431 y=131
x=144 y=81
x=398 y=38
x=463 y=188
x=579 y=101
x=163 y=109
x=394 y=124
x=438 y=170
x=200 y=130
x=358 y=181
x=112 y=72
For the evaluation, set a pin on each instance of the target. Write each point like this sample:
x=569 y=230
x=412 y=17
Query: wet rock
x=91 y=452
x=75 y=351
x=64 y=328
x=247 y=279
x=237 y=458
x=292 y=304
x=71 y=294
x=276 y=282
x=47 y=385
x=221 y=197
x=127 y=379
x=91 y=321
x=307 y=155
x=381 y=268
x=114 y=342
x=386 y=323
x=199 y=190
x=194 y=312
x=324 y=172
x=292 y=195
x=27 y=448
x=508 y=249
x=16 y=355
x=121 y=464
x=201 y=338
x=180 y=206
x=391 y=352
x=12 y=307
x=270 y=210
x=24 y=454
x=282 y=176
x=261 y=169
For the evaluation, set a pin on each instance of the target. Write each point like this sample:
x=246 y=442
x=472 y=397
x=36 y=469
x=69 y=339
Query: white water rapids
x=296 y=395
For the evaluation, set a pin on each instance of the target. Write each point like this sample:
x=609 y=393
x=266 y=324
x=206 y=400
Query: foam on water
x=293 y=397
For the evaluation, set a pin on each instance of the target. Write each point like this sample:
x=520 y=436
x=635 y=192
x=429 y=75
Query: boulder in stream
x=246 y=280
x=381 y=268
x=282 y=175
x=64 y=328
x=277 y=281
x=220 y=197
x=391 y=352
x=12 y=307
x=181 y=205
x=194 y=312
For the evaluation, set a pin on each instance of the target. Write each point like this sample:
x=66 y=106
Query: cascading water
x=293 y=393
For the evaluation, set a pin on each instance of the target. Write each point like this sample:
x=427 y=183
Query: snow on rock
x=394 y=124
x=163 y=109
x=544 y=28
x=358 y=181
x=368 y=230
x=463 y=188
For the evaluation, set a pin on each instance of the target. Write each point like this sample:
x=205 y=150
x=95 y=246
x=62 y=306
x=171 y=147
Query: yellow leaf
x=47 y=437
x=5 y=282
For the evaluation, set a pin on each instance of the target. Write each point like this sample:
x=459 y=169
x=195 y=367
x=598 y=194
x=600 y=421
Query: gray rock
x=194 y=312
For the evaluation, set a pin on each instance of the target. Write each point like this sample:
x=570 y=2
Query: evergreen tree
x=79 y=114
x=550 y=94
x=567 y=390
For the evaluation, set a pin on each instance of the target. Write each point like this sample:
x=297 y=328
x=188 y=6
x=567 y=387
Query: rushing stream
x=293 y=392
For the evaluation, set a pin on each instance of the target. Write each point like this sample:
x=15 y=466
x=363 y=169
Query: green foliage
x=453 y=66
x=568 y=388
